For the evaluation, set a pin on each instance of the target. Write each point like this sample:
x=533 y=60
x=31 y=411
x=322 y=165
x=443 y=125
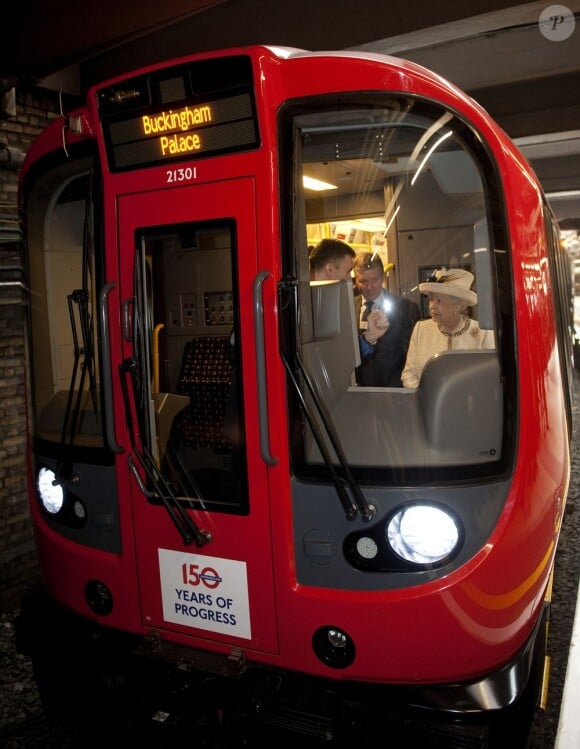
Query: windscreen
x=398 y=246
x=64 y=278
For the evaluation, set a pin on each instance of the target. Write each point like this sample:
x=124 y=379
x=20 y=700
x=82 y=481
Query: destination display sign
x=192 y=131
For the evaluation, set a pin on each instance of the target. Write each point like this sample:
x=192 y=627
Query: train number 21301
x=183 y=174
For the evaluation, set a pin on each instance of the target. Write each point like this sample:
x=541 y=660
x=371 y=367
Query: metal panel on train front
x=188 y=259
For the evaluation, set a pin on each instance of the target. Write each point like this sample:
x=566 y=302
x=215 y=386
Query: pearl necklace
x=450 y=336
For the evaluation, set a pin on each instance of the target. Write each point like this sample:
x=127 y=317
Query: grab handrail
x=109 y=412
x=267 y=457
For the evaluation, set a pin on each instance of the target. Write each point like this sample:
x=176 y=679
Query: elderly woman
x=450 y=296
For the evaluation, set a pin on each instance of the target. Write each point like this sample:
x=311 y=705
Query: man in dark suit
x=383 y=359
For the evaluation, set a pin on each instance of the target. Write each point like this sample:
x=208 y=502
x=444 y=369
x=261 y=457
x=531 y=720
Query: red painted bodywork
x=459 y=627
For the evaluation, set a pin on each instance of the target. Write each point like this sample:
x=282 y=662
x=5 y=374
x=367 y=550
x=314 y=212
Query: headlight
x=423 y=534
x=51 y=494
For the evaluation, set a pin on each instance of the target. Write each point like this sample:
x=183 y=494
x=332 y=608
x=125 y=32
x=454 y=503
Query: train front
x=226 y=462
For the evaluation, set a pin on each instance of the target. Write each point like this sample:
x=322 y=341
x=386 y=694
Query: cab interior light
x=310 y=183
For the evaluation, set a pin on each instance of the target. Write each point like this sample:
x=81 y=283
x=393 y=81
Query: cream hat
x=453 y=282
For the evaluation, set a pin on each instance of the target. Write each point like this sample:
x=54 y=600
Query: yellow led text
x=181 y=119
x=174 y=122
x=176 y=144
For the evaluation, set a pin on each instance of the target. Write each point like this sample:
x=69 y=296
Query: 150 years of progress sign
x=203 y=129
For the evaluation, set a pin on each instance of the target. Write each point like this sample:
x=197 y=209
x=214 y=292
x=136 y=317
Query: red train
x=217 y=501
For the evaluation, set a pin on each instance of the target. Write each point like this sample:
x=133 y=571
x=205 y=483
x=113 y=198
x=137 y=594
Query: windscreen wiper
x=191 y=491
x=322 y=427
x=349 y=506
x=79 y=299
x=161 y=489
x=76 y=391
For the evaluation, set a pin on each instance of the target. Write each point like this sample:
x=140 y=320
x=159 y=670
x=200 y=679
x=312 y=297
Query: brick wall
x=35 y=109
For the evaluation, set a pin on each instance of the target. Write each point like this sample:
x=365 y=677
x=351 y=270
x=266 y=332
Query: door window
x=185 y=372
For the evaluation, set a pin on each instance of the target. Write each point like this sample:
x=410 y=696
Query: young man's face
x=338 y=271
x=343 y=268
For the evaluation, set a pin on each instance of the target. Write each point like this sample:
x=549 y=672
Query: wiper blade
x=366 y=510
x=85 y=349
x=356 y=502
x=76 y=390
x=349 y=506
x=191 y=491
x=188 y=529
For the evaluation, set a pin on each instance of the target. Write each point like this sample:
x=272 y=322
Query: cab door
x=200 y=498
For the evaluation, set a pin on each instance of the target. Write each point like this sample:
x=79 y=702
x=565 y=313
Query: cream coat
x=427 y=340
